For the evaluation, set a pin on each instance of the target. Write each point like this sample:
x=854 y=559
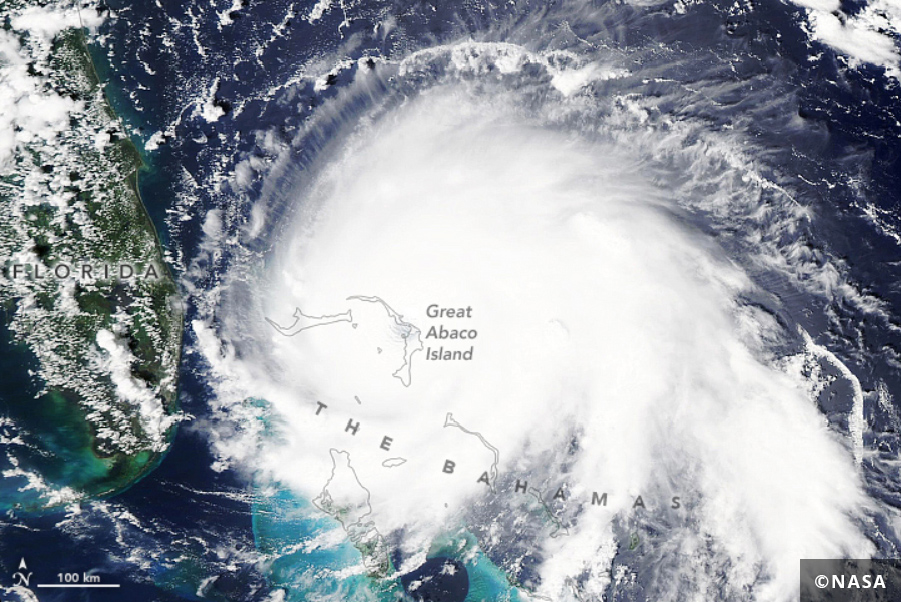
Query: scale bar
x=78 y=585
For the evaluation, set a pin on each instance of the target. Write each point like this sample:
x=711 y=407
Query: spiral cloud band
x=473 y=313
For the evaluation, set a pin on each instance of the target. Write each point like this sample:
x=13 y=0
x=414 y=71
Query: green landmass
x=105 y=350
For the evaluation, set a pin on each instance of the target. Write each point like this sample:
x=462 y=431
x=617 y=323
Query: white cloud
x=47 y=21
x=117 y=361
x=598 y=315
x=207 y=106
x=866 y=37
x=33 y=113
x=318 y=10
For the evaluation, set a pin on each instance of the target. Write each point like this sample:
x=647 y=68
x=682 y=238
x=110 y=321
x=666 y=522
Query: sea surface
x=195 y=83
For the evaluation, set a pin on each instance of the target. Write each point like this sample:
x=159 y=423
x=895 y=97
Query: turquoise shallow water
x=49 y=434
x=486 y=580
x=312 y=559
x=154 y=183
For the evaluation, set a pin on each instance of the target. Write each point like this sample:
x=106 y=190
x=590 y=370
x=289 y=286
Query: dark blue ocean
x=188 y=532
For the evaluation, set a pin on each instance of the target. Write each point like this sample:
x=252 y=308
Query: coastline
x=121 y=406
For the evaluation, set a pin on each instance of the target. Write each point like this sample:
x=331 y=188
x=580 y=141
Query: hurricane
x=631 y=259
x=570 y=301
